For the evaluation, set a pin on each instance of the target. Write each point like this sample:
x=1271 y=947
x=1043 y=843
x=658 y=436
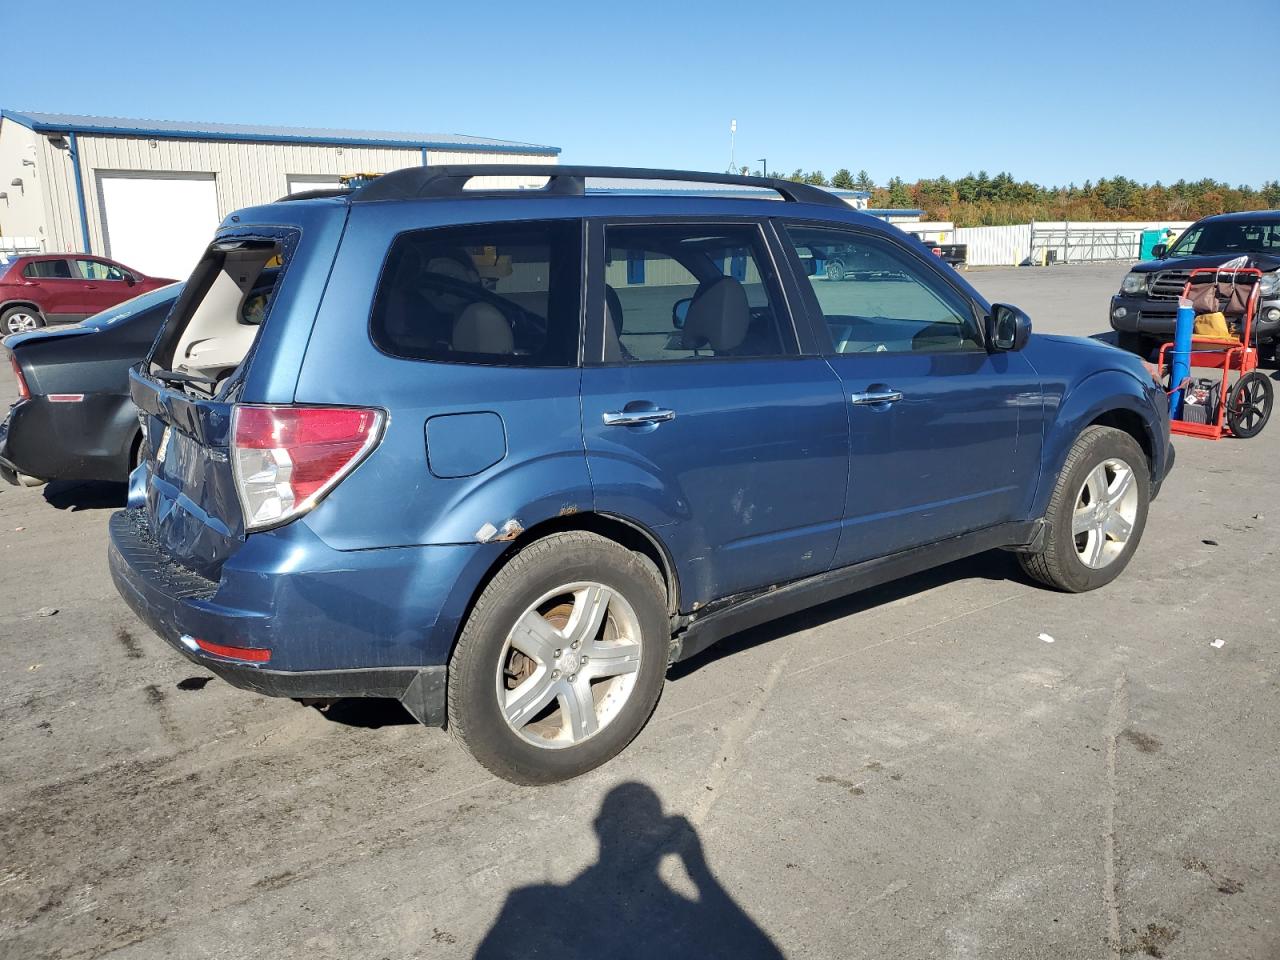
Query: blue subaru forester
x=506 y=452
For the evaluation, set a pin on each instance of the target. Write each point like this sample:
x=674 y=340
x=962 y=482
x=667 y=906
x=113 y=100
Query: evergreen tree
x=899 y=195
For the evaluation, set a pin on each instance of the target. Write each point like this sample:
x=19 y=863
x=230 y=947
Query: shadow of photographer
x=620 y=907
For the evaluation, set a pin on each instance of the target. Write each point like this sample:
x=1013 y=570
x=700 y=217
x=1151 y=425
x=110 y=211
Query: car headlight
x=1134 y=283
x=1269 y=285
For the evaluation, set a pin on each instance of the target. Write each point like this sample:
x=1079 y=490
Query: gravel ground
x=912 y=772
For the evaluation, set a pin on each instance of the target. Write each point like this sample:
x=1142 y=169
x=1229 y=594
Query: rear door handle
x=636 y=418
x=876 y=396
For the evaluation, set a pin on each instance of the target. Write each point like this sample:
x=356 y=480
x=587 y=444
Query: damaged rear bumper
x=317 y=637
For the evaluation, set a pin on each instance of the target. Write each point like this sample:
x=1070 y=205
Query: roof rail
x=414 y=183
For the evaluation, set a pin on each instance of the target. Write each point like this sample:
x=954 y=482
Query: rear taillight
x=23 y=392
x=286 y=458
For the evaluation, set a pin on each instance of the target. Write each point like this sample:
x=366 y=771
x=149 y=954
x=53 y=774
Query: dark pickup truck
x=1144 y=311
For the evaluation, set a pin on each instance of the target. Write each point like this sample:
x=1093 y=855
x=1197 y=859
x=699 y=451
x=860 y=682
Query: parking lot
x=957 y=765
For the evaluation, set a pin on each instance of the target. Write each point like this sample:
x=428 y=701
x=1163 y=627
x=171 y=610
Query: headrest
x=718 y=317
x=481 y=328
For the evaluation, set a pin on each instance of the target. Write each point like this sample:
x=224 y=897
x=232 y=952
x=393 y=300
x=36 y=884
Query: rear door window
x=498 y=293
x=48 y=270
x=691 y=291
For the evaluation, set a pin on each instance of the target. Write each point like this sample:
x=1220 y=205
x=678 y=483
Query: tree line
x=976 y=200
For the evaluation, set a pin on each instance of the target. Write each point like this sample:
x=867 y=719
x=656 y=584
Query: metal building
x=149 y=193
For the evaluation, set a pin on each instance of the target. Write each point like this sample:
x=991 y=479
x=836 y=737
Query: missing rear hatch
x=216 y=321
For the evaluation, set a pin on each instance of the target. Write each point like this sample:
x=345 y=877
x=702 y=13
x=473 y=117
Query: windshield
x=123 y=311
x=1229 y=236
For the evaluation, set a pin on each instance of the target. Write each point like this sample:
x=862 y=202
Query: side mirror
x=679 y=312
x=130 y=279
x=1008 y=328
x=1160 y=250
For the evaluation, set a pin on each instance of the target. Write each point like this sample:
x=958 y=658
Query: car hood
x=1262 y=261
x=1090 y=352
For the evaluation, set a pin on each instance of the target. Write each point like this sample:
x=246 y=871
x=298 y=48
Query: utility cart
x=1213 y=408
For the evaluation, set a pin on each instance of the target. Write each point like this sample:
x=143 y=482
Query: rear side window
x=48 y=270
x=498 y=293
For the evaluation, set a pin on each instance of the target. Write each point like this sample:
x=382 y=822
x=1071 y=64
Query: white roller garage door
x=159 y=225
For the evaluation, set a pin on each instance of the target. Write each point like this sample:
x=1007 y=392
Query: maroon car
x=64 y=288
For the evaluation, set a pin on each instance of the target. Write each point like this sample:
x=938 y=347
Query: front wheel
x=562 y=659
x=1096 y=514
x=835 y=270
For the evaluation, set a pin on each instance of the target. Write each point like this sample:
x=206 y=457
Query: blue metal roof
x=185 y=130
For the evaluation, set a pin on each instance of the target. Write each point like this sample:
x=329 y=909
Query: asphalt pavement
x=958 y=765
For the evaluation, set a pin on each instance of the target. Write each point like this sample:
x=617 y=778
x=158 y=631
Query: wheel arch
x=1110 y=398
x=628 y=533
x=1132 y=423
x=30 y=305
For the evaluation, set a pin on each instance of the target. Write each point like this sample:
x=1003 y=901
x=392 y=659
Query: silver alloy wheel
x=20 y=322
x=1105 y=511
x=569 y=664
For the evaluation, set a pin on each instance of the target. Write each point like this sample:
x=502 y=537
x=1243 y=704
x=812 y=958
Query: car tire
x=530 y=630
x=835 y=270
x=1249 y=406
x=1096 y=516
x=20 y=320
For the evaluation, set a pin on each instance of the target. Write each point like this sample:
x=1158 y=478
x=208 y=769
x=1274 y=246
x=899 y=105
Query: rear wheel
x=562 y=659
x=1096 y=514
x=1249 y=408
x=21 y=319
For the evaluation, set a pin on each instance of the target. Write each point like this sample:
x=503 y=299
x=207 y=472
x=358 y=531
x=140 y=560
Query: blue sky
x=1053 y=92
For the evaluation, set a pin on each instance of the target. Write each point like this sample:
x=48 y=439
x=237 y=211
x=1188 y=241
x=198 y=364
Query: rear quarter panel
x=394 y=498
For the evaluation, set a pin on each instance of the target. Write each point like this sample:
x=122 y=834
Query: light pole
x=733 y=132
x=764 y=165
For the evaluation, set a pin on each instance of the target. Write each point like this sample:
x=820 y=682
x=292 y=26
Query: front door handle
x=876 y=396
x=636 y=418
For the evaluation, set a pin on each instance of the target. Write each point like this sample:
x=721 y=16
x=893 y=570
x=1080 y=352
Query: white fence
x=1058 y=241
x=996 y=246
